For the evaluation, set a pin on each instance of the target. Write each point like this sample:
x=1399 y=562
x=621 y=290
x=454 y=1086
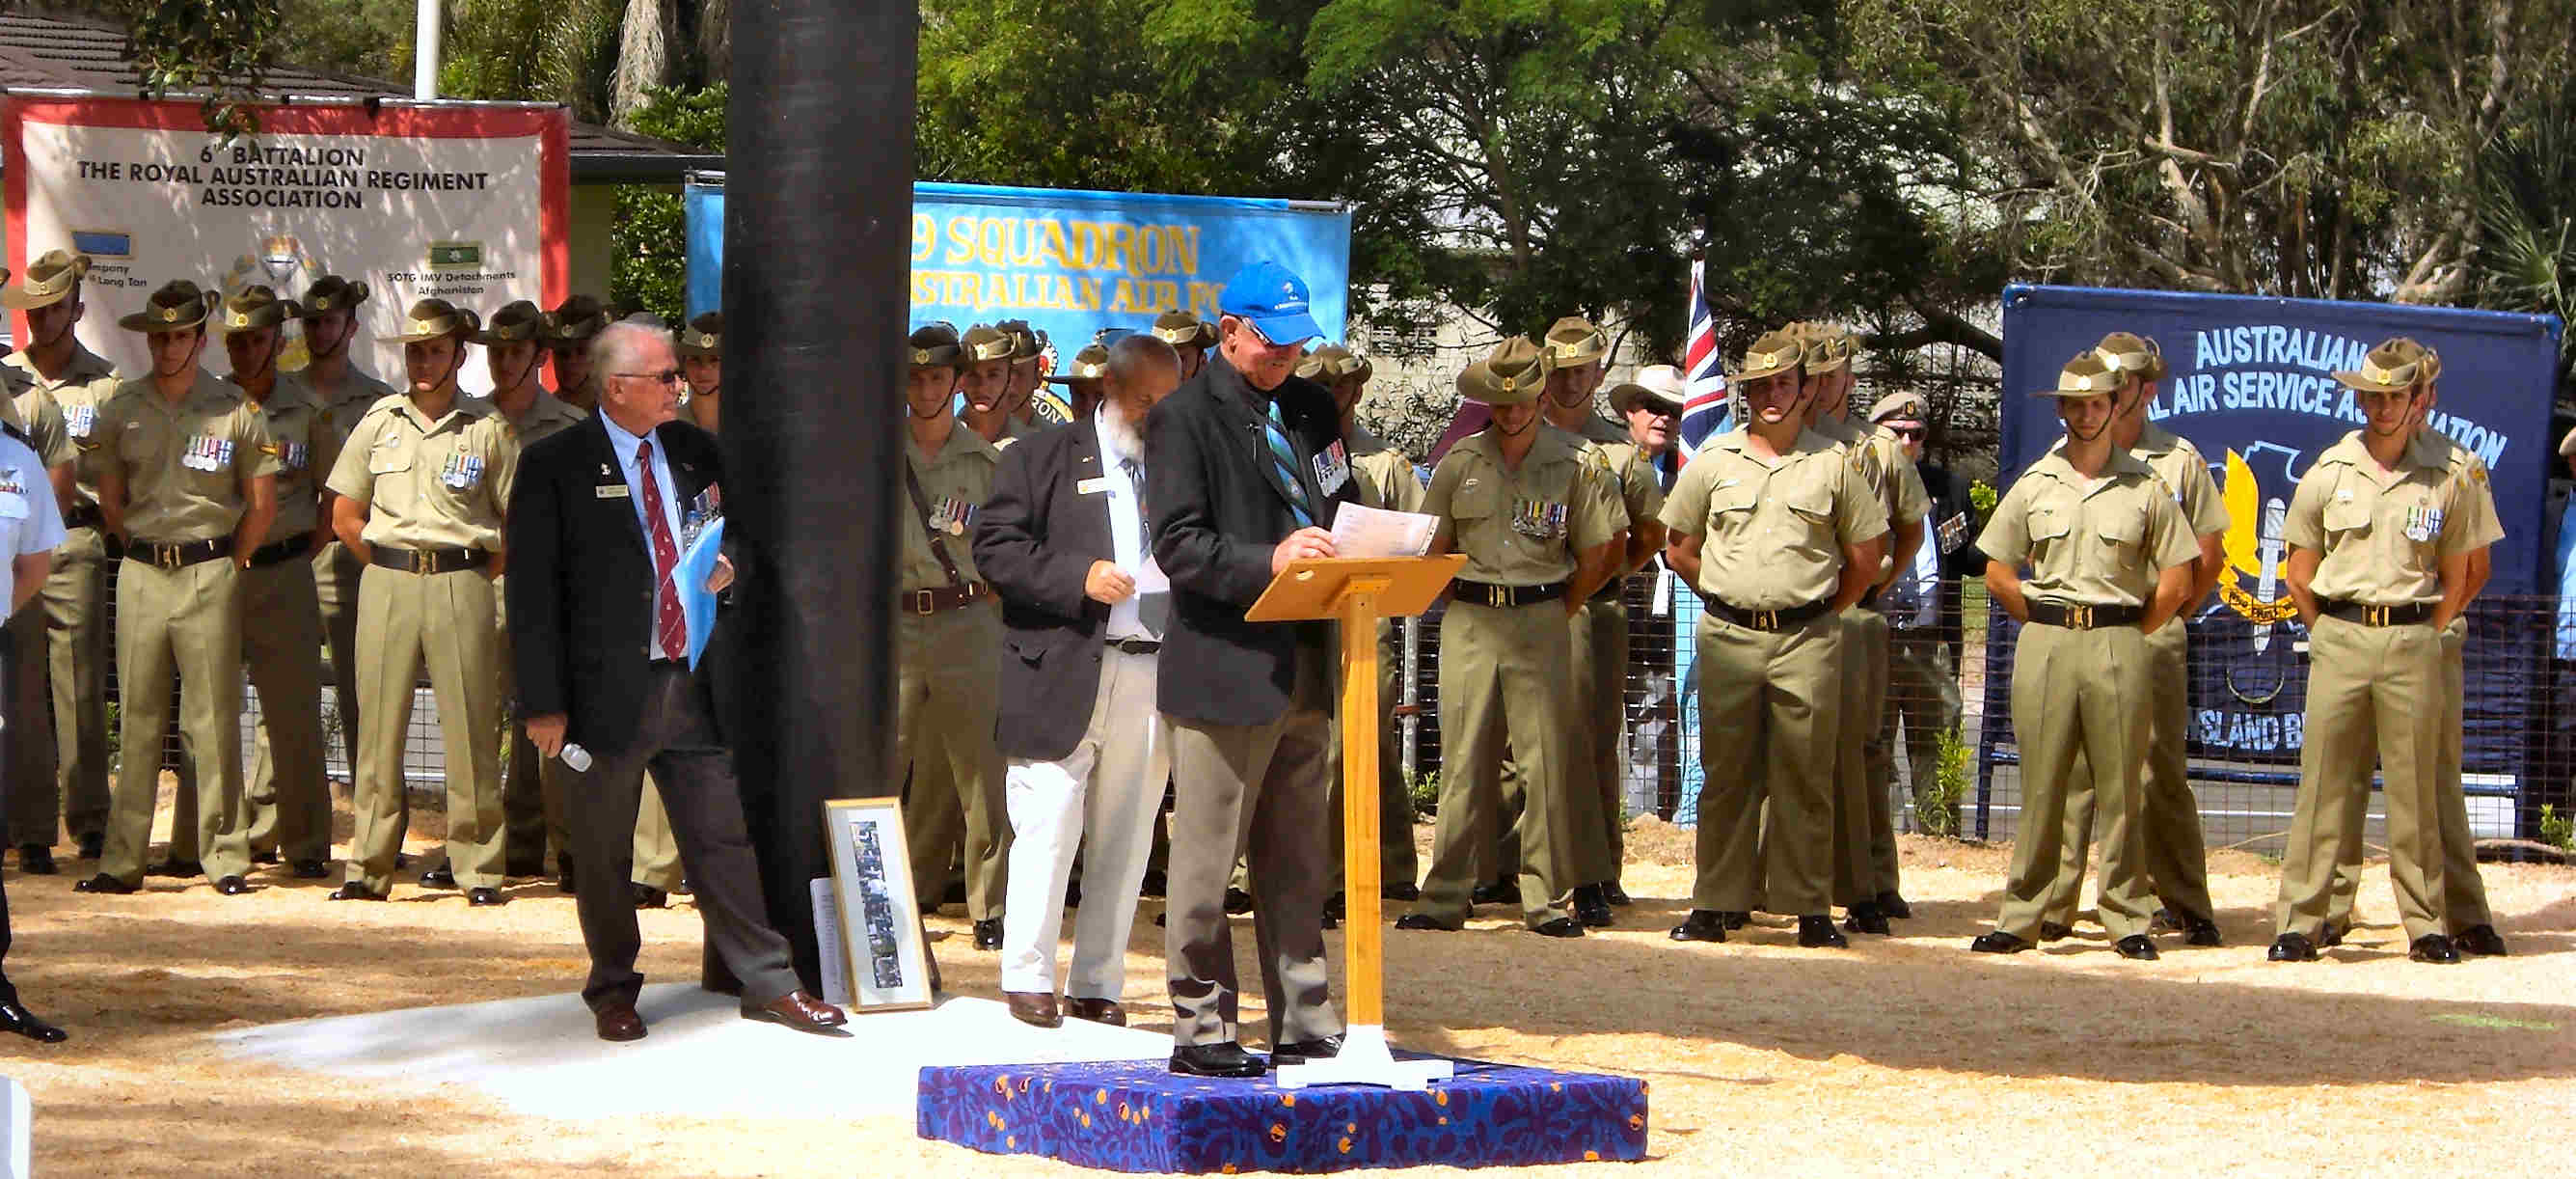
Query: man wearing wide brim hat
x=2176 y=863
x=2109 y=558
x=701 y=349
x=1188 y=335
x=1536 y=513
x=1082 y=378
x=423 y=488
x=44 y=753
x=330 y=308
x=190 y=481
x=568 y=331
x=1778 y=533
x=2386 y=531
x=1031 y=410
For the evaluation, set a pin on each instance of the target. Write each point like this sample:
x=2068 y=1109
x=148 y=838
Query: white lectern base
x=1364 y=1060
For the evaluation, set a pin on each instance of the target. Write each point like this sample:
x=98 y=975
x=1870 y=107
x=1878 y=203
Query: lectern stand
x=1357 y=592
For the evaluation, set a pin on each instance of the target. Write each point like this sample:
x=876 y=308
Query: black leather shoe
x=1591 y=908
x=2202 y=932
x=232 y=886
x=2053 y=931
x=1734 y=919
x=956 y=894
x=1073 y=894
x=1301 y=1051
x=2164 y=918
x=2479 y=941
x=1237 y=901
x=1616 y=895
x=1402 y=890
x=106 y=884
x=2292 y=947
x=2137 y=947
x=1894 y=906
x=646 y=896
x=441 y=876
x=2332 y=935
x=1558 y=927
x=309 y=869
x=1866 y=918
x=1703 y=925
x=1426 y=921
x=14 y=1017
x=265 y=858
x=1216 y=1060
x=1335 y=908
x=178 y=868
x=354 y=891
x=565 y=883
x=2435 y=948
x=485 y=895
x=988 y=934
x=1816 y=932
x=1999 y=942
x=36 y=859
x=1494 y=892
x=92 y=846
x=1152 y=885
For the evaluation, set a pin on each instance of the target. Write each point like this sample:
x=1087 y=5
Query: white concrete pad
x=541 y=1056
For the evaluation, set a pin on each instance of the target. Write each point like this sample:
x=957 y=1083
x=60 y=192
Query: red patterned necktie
x=670 y=627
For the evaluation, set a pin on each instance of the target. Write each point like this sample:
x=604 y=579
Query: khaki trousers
x=1600 y=718
x=76 y=653
x=182 y=624
x=1862 y=821
x=446 y=622
x=2177 y=856
x=945 y=680
x=2464 y=892
x=335 y=587
x=1504 y=675
x=2078 y=694
x=289 y=797
x=2375 y=694
x=27 y=748
x=1257 y=791
x=1770 y=714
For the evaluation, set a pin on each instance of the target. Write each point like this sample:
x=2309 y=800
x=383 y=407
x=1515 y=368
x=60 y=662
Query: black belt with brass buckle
x=1869 y=601
x=1135 y=646
x=947 y=597
x=427 y=561
x=2079 y=617
x=84 y=516
x=1486 y=593
x=180 y=555
x=2358 y=614
x=279 y=553
x=1771 y=621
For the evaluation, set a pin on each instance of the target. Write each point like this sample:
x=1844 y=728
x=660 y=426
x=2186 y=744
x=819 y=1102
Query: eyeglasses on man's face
x=669 y=377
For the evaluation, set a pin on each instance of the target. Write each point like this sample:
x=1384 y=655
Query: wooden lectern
x=1357 y=592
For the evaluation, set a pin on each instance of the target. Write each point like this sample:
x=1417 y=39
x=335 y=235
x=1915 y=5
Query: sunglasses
x=1909 y=431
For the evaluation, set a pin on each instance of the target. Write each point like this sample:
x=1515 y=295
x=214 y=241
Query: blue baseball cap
x=1274 y=299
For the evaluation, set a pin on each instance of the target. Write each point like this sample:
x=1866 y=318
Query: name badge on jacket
x=461 y=471
x=1332 y=467
x=207 y=453
x=1096 y=485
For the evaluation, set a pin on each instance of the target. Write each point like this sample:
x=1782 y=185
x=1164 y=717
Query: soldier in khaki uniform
x=422 y=489
x=2384 y=531
x=2111 y=559
x=701 y=349
x=1534 y=510
x=1082 y=379
x=330 y=309
x=31 y=751
x=984 y=380
x=1779 y=533
x=1029 y=413
x=568 y=330
x=77 y=383
x=948 y=630
x=2177 y=860
x=1188 y=335
x=289 y=796
x=188 y=477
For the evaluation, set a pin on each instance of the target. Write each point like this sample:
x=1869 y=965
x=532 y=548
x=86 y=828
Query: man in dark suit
x=599 y=641
x=1248 y=468
x=1062 y=540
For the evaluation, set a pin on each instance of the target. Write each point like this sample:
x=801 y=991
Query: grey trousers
x=1259 y=790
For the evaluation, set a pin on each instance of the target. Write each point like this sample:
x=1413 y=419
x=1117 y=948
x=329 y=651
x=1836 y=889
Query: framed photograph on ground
x=880 y=920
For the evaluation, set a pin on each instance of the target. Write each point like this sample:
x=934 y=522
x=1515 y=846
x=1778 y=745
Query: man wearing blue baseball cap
x=1248 y=468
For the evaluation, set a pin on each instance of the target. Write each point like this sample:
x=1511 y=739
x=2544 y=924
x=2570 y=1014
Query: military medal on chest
x=1538 y=519
x=461 y=471
x=2423 y=524
x=295 y=456
x=79 y=420
x=206 y=452
x=951 y=515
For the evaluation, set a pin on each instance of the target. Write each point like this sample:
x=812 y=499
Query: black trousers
x=676 y=741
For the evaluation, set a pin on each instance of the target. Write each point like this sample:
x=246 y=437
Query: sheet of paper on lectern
x=1361 y=531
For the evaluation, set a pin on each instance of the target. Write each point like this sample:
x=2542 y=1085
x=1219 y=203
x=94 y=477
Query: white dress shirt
x=1127 y=535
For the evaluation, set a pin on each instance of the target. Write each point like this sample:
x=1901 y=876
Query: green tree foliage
x=2527 y=217
x=650 y=271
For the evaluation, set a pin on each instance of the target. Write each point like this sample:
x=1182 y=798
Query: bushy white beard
x=1127 y=436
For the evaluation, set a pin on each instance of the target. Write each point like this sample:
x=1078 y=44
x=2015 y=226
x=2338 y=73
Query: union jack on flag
x=1704 y=412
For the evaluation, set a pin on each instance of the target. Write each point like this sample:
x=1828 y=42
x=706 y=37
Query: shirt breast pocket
x=2123 y=537
x=2347 y=519
x=1730 y=512
x=1812 y=509
x=1476 y=503
x=2049 y=527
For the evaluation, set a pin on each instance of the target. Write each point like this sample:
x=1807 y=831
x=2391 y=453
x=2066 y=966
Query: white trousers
x=1107 y=790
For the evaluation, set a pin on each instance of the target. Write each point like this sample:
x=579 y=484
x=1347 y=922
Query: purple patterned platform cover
x=1137 y=1116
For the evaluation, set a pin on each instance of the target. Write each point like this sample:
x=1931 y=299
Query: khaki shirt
x=37 y=416
x=2098 y=542
x=2384 y=533
x=87 y=384
x=1385 y=475
x=1883 y=465
x=1773 y=530
x=1524 y=527
x=1639 y=490
x=184 y=466
x=441 y=484
x=955 y=485
x=584 y=396
x=2179 y=463
x=547 y=416
x=305 y=453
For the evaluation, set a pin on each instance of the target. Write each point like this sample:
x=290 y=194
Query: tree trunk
x=643 y=58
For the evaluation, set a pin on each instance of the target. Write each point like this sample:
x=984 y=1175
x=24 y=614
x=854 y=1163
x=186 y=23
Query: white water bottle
x=577 y=757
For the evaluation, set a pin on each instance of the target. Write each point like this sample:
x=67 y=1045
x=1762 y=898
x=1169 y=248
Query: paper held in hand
x=1360 y=531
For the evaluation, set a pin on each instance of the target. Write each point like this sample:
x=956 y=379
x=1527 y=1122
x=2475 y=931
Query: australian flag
x=1704 y=412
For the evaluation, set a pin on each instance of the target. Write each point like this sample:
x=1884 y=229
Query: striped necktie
x=1286 y=460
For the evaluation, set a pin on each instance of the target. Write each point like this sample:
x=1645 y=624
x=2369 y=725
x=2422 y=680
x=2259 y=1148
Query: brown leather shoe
x=1033 y=1009
x=618 y=1023
x=1097 y=1011
x=800 y=1011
